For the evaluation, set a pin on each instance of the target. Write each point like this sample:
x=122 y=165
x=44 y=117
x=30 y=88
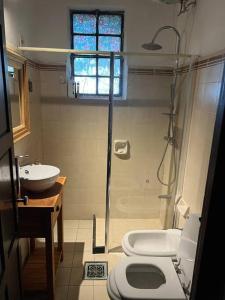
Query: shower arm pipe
x=177 y=43
x=103 y=53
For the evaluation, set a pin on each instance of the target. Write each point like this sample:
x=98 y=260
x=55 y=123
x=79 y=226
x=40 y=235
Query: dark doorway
x=9 y=254
x=209 y=276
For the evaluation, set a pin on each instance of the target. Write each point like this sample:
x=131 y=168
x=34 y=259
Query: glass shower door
x=140 y=124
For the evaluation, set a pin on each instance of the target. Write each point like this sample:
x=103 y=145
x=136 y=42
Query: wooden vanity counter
x=37 y=220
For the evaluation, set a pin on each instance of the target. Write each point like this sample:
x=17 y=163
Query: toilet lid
x=171 y=289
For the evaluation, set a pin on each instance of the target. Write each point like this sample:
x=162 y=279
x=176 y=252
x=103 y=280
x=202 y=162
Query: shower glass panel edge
x=109 y=151
x=182 y=157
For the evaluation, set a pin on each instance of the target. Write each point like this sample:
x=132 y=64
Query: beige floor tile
x=100 y=282
x=76 y=277
x=80 y=258
x=80 y=293
x=100 y=293
x=61 y=292
x=67 y=259
x=71 y=223
x=101 y=257
x=63 y=276
x=69 y=247
x=70 y=234
x=84 y=235
x=115 y=246
x=83 y=246
x=85 y=224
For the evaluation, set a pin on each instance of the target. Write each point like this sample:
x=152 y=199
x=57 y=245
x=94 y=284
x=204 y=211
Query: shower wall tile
x=75 y=139
x=211 y=74
x=206 y=97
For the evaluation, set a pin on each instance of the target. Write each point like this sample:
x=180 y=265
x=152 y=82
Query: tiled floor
x=77 y=250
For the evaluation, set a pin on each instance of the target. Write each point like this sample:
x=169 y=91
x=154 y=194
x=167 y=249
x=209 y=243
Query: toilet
x=163 y=243
x=147 y=277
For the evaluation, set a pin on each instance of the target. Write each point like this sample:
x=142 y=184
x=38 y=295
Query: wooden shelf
x=34 y=277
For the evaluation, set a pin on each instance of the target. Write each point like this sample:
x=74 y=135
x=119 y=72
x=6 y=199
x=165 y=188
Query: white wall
x=203 y=31
x=75 y=139
x=47 y=23
x=203 y=28
x=20 y=22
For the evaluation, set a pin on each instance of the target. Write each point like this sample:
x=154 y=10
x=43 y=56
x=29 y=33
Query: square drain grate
x=96 y=270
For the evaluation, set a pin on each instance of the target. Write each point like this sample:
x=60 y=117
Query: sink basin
x=38 y=178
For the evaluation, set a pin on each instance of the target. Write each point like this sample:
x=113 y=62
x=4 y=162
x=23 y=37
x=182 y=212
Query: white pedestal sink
x=38 y=178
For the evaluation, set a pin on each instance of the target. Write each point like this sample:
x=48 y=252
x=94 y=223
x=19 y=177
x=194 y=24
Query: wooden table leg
x=60 y=232
x=50 y=261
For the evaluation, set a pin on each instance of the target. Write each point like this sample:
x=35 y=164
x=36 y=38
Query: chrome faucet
x=18 y=184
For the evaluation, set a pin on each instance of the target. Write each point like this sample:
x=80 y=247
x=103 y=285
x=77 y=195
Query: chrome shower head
x=152 y=46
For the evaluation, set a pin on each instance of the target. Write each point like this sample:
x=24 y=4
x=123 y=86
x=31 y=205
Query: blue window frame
x=97 y=31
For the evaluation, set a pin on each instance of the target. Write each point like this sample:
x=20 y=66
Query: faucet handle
x=21 y=156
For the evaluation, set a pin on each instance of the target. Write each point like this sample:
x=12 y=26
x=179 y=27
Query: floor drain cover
x=96 y=270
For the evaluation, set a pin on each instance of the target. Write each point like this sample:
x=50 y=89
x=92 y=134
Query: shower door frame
x=109 y=151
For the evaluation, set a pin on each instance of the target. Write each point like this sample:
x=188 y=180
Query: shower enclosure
x=138 y=145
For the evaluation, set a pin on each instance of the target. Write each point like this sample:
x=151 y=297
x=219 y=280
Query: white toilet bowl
x=158 y=278
x=145 y=278
x=151 y=242
x=157 y=242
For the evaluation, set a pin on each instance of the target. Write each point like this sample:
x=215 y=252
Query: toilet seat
x=170 y=290
x=112 y=288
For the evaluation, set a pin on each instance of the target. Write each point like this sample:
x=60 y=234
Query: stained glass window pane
x=109 y=43
x=103 y=86
x=85 y=66
x=109 y=24
x=87 y=84
x=116 y=86
x=117 y=67
x=84 y=23
x=104 y=67
x=82 y=42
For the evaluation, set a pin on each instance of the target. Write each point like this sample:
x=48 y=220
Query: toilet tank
x=191 y=228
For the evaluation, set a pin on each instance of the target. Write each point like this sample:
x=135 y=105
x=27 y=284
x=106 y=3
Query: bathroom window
x=97 y=31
